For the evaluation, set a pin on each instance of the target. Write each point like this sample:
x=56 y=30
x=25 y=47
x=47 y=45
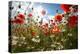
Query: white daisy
x=35 y=40
x=69 y=34
x=64 y=21
x=14 y=42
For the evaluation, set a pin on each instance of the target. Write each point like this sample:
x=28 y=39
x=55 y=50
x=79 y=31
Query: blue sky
x=50 y=7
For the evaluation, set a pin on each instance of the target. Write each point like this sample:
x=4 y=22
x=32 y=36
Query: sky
x=50 y=7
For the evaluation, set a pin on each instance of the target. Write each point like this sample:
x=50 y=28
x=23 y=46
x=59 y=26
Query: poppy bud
x=65 y=7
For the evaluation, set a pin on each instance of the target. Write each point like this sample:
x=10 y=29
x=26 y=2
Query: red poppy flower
x=65 y=7
x=58 y=17
x=21 y=16
x=33 y=33
x=30 y=15
x=17 y=21
x=55 y=29
x=72 y=21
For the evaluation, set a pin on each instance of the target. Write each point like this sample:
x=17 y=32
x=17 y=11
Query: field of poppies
x=30 y=32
